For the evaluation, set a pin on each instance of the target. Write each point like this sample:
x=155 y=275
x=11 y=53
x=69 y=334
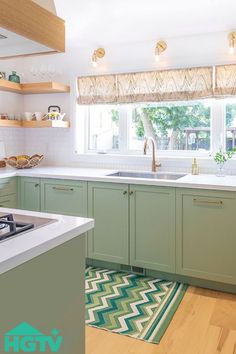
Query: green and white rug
x=130 y=304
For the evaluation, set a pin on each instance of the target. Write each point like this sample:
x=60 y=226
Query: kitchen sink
x=148 y=175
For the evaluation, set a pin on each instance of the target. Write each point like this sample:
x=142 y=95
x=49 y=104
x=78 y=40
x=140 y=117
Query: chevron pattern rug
x=130 y=304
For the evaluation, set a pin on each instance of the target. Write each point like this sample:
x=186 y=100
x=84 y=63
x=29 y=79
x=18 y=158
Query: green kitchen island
x=42 y=285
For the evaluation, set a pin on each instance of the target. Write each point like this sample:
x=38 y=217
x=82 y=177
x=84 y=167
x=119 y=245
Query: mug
x=38 y=115
x=28 y=115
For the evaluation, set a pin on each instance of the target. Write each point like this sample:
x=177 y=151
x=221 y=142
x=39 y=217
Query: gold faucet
x=155 y=163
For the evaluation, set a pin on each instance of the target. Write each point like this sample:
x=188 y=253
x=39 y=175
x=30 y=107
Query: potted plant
x=221 y=157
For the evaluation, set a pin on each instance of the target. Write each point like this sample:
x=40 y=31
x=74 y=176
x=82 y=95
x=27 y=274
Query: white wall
x=58 y=144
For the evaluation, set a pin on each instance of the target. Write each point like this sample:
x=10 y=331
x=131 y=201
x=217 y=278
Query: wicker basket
x=24 y=161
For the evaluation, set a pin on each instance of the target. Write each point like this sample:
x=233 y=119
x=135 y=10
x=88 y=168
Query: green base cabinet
x=29 y=193
x=152 y=227
x=8 y=186
x=8 y=201
x=108 y=205
x=206 y=241
x=8 y=192
x=64 y=197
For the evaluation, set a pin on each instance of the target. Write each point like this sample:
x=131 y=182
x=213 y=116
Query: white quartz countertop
x=202 y=181
x=23 y=247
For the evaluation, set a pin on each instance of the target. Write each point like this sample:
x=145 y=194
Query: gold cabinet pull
x=208 y=202
x=124 y=192
x=131 y=193
x=63 y=189
x=36 y=185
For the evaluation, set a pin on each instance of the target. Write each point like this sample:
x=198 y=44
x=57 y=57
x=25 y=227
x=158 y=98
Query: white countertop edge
x=202 y=181
x=40 y=249
x=31 y=244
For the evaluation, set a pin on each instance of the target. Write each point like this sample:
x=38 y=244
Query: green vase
x=14 y=77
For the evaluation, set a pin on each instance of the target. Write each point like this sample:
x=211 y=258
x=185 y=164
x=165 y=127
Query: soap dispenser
x=195 y=167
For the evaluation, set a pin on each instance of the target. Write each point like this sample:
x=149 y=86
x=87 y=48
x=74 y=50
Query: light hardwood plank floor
x=205 y=323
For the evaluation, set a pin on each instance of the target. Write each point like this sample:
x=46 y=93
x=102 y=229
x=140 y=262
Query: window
x=103 y=128
x=175 y=126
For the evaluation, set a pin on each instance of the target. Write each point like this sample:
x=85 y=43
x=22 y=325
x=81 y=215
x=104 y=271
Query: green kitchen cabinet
x=29 y=193
x=64 y=197
x=108 y=204
x=8 y=186
x=8 y=192
x=8 y=201
x=152 y=227
x=206 y=236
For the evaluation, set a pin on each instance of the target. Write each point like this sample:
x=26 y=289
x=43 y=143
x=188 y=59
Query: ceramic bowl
x=24 y=161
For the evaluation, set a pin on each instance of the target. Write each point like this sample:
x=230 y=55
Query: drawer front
x=7 y=186
x=206 y=239
x=8 y=201
x=64 y=197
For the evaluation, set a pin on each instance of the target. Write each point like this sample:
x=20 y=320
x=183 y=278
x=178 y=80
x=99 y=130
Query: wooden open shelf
x=10 y=86
x=44 y=87
x=10 y=123
x=45 y=124
x=34 y=123
x=33 y=88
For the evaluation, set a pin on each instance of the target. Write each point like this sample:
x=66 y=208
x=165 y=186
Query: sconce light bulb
x=157 y=57
x=231 y=49
x=94 y=59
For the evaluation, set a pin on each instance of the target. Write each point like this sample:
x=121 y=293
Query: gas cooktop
x=15 y=224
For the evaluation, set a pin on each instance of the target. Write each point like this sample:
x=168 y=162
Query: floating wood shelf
x=44 y=87
x=10 y=123
x=45 y=124
x=34 y=88
x=10 y=86
x=34 y=124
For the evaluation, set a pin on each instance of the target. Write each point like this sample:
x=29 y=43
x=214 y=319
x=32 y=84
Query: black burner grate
x=15 y=227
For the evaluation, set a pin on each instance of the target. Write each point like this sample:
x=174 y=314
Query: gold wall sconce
x=232 y=42
x=161 y=46
x=97 y=54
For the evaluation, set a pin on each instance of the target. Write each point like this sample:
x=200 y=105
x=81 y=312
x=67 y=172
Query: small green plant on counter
x=222 y=156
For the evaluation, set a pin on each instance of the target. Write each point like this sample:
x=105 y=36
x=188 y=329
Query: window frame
x=218 y=136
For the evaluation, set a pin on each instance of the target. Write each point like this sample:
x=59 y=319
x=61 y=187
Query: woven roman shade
x=225 y=80
x=97 y=89
x=155 y=86
x=168 y=85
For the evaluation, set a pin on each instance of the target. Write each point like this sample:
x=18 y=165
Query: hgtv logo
x=27 y=339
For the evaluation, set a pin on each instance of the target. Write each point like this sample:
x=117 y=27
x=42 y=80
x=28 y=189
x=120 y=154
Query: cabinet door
x=30 y=193
x=108 y=205
x=7 y=186
x=8 y=201
x=64 y=197
x=206 y=236
x=152 y=227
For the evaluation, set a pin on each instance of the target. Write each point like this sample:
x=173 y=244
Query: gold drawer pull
x=63 y=189
x=209 y=202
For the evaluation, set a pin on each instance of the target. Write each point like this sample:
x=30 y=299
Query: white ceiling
x=111 y=22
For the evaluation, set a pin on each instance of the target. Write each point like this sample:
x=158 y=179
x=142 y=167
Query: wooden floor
x=205 y=323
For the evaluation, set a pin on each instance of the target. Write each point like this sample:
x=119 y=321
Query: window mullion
x=123 y=128
x=218 y=125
